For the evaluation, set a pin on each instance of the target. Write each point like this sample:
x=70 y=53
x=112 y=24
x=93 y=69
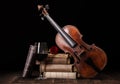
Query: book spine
x=57 y=67
x=59 y=55
x=63 y=75
x=56 y=60
x=29 y=60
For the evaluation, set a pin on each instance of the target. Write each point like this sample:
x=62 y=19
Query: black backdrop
x=22 y=26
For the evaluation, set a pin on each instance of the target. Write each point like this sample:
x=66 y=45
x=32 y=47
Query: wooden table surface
x=102 y=78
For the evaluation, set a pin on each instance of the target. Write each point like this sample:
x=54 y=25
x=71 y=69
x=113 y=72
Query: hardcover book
x=57 y=67
x=63 y=75
x=60 y=58
x=30 y=60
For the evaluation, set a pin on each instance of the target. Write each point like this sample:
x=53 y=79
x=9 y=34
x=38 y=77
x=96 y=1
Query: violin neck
x=67 y=38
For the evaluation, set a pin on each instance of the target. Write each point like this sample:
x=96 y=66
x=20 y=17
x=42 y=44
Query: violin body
x=89 y=60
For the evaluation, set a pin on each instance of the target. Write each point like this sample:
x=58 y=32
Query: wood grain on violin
x=88 y=59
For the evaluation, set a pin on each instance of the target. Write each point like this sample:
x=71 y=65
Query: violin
x=89 y=60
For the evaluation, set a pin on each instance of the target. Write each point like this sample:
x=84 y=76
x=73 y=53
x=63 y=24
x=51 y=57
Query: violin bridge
x=77 y=52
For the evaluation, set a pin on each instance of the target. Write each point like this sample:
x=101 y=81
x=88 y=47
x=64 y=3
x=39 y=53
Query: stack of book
x=58 y=66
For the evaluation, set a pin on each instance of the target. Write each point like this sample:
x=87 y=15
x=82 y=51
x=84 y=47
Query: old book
x=59 y=55
x=29 y=61
x=57 y=60
x=64 y=75
x=60 y=58
x=57 y=68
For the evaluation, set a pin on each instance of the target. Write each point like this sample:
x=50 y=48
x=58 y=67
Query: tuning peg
x=39 y=7
x=47 y=7
x=42 y=18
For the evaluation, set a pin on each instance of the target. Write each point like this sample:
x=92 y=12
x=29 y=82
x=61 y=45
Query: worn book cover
x=59 y=55
x=29 y=61
x=64 y=75
x=57 y=67
x=59 y=58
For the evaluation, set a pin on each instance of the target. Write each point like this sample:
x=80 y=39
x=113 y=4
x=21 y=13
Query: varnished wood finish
x=103 y=78
x=96 y=54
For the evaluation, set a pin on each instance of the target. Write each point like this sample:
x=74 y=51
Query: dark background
x=21 y=26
